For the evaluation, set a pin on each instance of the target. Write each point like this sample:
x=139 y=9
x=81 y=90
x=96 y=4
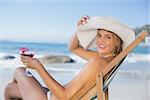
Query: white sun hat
x=87 y=33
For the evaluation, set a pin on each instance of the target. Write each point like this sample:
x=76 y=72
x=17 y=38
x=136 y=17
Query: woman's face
x=105 y=42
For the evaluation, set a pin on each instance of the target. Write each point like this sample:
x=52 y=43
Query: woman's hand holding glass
x=30 y=62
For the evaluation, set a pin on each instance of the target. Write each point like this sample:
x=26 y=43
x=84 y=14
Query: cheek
x=111 y=45
x=98 y=40
x=108 y=42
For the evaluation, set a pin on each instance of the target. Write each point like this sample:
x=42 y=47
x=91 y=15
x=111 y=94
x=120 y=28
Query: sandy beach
x=130 y=84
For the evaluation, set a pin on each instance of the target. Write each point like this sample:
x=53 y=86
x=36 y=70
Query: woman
x=109 y=43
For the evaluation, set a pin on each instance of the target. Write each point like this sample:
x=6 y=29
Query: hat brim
x=87 y=33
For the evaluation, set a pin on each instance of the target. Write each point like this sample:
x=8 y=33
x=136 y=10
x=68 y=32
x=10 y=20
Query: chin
x=105 y=51
x=102 y=52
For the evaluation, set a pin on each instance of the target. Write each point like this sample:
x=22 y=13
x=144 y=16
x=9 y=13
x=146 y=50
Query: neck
x=107 y=55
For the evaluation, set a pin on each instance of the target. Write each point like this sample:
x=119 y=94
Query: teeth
x=102 y=46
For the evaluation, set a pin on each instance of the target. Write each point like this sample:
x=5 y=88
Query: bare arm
x=57 y=89
x=94 y=66
x=77 y=49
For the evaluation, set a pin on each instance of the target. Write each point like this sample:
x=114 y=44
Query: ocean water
x=52 y=48
x=39 y=48
x=8 y=48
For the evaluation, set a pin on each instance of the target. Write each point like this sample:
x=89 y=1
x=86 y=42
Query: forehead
x=105 y=32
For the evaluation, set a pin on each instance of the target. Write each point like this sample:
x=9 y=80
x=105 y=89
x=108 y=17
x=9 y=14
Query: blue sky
x=55 y=20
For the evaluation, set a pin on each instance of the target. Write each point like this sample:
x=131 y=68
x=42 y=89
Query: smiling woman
x=105 y=43
x=108 y=36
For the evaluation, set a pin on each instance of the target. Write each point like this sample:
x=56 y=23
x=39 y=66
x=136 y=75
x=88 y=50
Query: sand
x=125 y=85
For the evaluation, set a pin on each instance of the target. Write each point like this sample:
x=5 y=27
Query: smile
x=102 y=46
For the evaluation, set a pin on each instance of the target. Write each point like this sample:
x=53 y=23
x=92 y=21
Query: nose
x=100 y=40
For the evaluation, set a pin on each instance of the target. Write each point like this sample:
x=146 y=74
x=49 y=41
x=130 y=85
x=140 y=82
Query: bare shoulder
x=89 y=71
x=97 y=60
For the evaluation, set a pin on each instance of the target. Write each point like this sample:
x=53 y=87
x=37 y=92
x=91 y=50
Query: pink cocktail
x=28 y=54
x=25 y=52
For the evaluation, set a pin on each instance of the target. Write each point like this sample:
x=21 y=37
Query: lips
x=100 y=46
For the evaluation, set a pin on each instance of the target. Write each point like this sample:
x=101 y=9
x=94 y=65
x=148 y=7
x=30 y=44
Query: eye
x=109 y=37
x=98 y=35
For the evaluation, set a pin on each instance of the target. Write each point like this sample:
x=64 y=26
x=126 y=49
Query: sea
x=11 y=48
x=136 y=61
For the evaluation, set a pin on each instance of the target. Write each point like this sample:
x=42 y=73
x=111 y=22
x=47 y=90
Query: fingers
x=22 y=58
x=83 y=20
x=25 y=59
x=86 y=18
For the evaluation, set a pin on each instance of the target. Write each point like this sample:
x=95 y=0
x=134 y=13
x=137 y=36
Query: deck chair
x=97 y=88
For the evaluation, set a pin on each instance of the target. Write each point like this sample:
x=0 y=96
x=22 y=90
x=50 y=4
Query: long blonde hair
x=118 y=44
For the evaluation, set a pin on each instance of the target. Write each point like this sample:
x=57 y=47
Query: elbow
x=63 y=96
x=70 y=48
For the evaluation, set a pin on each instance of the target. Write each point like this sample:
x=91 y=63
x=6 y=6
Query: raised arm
x=76 y=48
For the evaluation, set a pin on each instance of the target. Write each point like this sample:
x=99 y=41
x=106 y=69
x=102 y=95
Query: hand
x=83 y=20
x=30 y=62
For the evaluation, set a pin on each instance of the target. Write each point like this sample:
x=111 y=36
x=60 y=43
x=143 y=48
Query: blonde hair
x=118 y=44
